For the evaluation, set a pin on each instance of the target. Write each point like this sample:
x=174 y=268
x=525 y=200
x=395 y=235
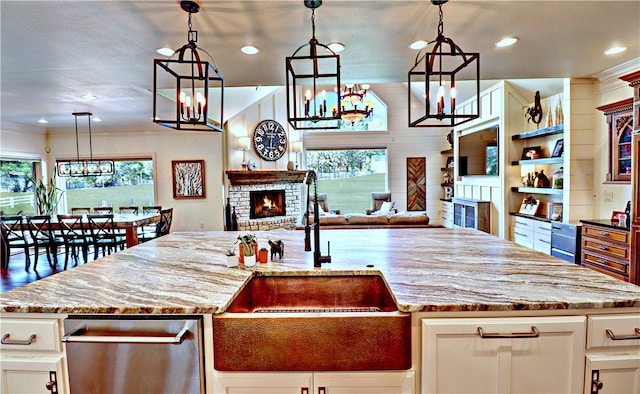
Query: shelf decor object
x=186 y=88
x=439 y=60
x=313 y=72
x=188 y=179
x=82 y=167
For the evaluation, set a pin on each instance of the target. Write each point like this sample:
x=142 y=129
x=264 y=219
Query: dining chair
x=14 y=237
x=103 y=234
x=102 y=210
x=80 y=210
x=163 y=227
x=149 y=229
x=75 y=237
x=128 y=210
x=43 y=236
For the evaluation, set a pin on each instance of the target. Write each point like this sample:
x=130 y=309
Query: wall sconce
x=296 y=147
x=185 y=87
x=243 y=145
x=435 y=64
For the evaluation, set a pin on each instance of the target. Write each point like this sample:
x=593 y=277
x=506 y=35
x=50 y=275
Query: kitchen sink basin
x=312 y=323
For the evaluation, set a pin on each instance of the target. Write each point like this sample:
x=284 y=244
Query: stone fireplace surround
x=243 y=182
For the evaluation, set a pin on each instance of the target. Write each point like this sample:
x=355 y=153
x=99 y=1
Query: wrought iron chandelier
x=186 y=87
x=313 y=73
x=85 y=167
x=438 y=67
x=353 y=108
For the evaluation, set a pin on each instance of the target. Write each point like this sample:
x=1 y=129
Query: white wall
x=20 y=142
x=163 y=145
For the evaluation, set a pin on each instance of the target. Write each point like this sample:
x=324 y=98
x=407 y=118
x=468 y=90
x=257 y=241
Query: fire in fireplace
x=267 y=203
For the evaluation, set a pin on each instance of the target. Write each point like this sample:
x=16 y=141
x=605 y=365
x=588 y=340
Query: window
x=16 y=189
x=131 y=185
x=348 y=176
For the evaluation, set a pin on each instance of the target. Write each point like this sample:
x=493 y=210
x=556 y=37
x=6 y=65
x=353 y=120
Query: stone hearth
x=244 y=182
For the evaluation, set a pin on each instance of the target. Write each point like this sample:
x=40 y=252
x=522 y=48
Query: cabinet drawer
x=625 y=328
x=542 y=243
x=606 y=234
x=605 y=264
x=542 y=227
x=45 y=333
x=524 y=223
x=607 y=249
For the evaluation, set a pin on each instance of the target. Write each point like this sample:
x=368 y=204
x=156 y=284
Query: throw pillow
x=385 y=208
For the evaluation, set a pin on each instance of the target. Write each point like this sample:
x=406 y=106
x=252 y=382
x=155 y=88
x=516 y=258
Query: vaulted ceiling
x=54 y=52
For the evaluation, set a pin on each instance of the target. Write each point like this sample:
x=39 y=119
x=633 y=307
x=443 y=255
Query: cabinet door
x=395 y=382
x=612 y=374
x=509 y=358
x=263 y=382
x=32 y=375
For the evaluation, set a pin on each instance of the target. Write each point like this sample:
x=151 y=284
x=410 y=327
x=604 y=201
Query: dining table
x=127 y=222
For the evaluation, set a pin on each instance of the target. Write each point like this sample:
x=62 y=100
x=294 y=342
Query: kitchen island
x=434 y=274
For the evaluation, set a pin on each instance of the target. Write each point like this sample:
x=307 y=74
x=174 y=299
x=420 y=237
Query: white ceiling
x=54 y=52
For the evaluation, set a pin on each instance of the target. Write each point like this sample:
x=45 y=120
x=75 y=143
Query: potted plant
x=47 y=195
x=248 y=249
x=231 y=260
x=263 y=255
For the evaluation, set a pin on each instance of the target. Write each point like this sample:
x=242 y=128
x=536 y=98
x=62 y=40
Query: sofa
x=381 y=215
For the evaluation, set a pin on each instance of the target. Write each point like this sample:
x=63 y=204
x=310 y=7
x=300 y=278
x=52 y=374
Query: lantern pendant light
x=186 y=88
x=317 y=74
x=438 y=70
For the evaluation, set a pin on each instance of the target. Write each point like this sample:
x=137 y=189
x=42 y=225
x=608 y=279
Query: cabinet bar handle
x=615 y=337
x=6 y=341
x=603 y=233
x=533 y=334
x=78 y=335
x=603 y=247
x=522 y=235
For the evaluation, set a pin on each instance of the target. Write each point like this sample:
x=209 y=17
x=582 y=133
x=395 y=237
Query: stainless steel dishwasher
x=134 y=354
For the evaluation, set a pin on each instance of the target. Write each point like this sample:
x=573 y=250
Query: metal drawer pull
x=614 y=337
x=533 y=334
x=6 y=341
x=603 y=233
x=78 y=335
x=603 y=247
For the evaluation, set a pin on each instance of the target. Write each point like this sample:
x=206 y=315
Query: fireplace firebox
x=267 y=203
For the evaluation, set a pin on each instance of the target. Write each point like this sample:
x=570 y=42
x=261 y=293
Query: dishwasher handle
x=80 y=335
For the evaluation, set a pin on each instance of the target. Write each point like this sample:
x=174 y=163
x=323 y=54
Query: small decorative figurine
x=277 y=248
x=534 y=114
x=541 y=180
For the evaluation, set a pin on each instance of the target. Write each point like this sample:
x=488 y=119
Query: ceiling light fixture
x=507 y=41
x=337 y=47
x=352 y=105
x=43 y=121
x=164 y=51
x=85 y=167
x=437 y=70
x=196 y=86
x=249 y=50
x=418 y=44
x=313 y=73
x=615 y=50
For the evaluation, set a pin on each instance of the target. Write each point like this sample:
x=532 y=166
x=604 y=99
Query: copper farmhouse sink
x=312 y=323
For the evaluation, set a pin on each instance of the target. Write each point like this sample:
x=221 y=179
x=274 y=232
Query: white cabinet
x=613 y=354
x=502 y=355
x=379 y=382
x=532 y=233
x=32 y=359
x=446 y=213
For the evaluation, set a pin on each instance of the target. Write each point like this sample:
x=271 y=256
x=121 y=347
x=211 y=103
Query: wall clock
x=270 y=140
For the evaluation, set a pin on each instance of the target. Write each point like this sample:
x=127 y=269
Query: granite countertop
x=433 y=269
x=606 y=223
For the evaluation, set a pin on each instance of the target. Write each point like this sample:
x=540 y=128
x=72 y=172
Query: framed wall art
x=558 y=149
x=416 y=184
x=529 y=206
x=188 y=179
x=533 y=152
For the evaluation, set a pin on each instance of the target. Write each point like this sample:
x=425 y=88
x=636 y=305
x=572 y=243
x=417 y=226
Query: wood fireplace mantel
x=263 y=177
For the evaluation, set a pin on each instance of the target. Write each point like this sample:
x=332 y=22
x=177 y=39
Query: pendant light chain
x=440 y=22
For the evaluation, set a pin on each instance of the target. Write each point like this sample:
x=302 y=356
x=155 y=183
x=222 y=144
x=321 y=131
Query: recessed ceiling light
x=165 y=51
x=507 y=41
x=89 y=97
x=249 y=50
x=418 y=44
x=615 y=50
x=96 y=119
x=43 y=121
x=337 y=47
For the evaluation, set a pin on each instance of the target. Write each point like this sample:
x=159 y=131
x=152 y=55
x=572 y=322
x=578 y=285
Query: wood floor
x=15 y=276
